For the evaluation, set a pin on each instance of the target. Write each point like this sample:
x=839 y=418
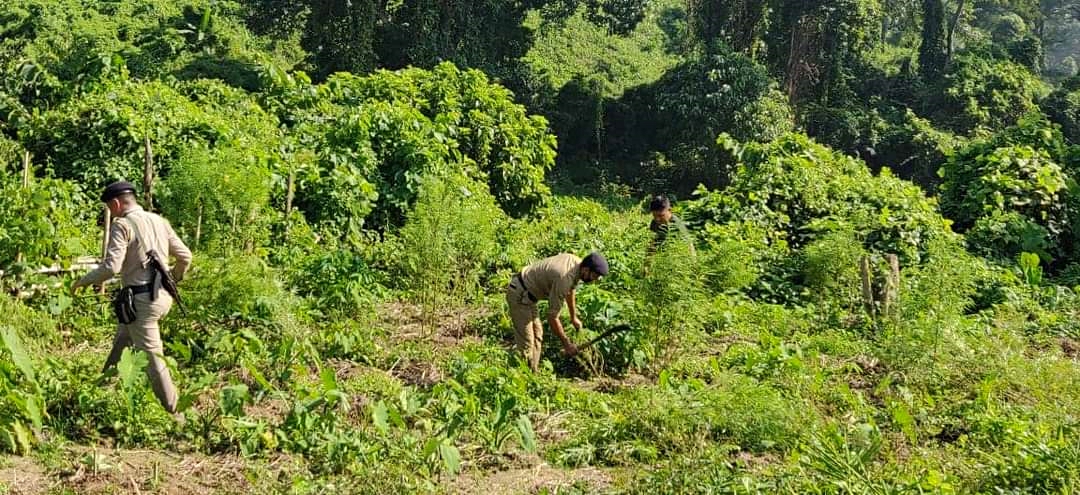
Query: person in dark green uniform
x=662 y=223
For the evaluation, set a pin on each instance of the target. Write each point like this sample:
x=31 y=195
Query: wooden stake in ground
x=198 y=225
x=26 y=169
x=892 y=285
x=289 y=198
x=148 y=173
x=26 y=185
x=867 y=289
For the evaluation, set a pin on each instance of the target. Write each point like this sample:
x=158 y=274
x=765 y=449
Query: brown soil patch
x=752 y=461
x=418 y=373
x=1070 y=347
x=93 y=471
x=610 y=385
x=532 y=480
x=271 y=409
x=448 y=327
x=144 y=471
x=22 y=476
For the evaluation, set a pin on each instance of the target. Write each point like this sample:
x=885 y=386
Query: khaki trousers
x=144 y=334
x=528 y=330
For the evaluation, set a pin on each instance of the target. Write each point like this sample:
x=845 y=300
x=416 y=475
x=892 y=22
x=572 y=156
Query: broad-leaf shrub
x=47 y=222
x=99 y=137
x=1014 y=191
x=1016 y=178
x=22 y=407
x=53 y=48
x=388 y=129
x=788 y=186
x=680 y=115
x=984 y=93
x=1063 y=108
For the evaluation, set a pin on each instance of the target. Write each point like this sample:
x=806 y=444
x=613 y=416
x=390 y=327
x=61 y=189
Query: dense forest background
x=883 y=198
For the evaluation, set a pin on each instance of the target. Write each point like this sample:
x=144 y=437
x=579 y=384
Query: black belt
x=142 y=289
x=522 y=280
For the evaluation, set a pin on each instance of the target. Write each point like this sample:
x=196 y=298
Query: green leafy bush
x=449 y=240
x=983 y=93
x=796 y=190
x=1063 y=108
x=680 y=115
x=1016 y=178
x=388 y=129
x=54 y=48
x=22 y=410
x=1003 y=235
x=45 y=223
x=99 y=137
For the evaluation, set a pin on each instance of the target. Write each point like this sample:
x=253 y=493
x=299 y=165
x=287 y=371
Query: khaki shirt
x=126 y=256
x=554 y=277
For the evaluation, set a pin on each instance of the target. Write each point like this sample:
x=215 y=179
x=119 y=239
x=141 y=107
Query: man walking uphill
x=555 y=278
x=134 y=233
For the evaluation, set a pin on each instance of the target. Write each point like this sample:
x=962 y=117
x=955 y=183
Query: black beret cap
x=596 y=262
x=115 y=189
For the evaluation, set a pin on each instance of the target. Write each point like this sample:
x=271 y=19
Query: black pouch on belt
x=124 y=305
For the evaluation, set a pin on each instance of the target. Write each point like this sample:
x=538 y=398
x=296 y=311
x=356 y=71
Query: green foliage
x=914 y=149
x=449 y=240
x=819 y=45
x=1002 y=235
x=671 y=296
x=44 y=223
x=680 y=115
x=734 y=256
x=734 y=409
x=298 y=347
x=576 y=49
x=339 y=280
x=238 y=291
x=53 y=49
x=1016 y=178
x=830 y=268
x=223 y=195
x=23 y=407
x=797 y=190
x=376 y=136
x=100 y=136
x=979 y=92
x=1014 y=190
x=1063 y=108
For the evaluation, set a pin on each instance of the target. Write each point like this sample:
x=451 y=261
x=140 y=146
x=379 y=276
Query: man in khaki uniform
x=554 y=278
x=134 y=232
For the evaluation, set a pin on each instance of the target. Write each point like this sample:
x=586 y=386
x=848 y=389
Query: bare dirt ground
x=98 y=471
x=532 y=480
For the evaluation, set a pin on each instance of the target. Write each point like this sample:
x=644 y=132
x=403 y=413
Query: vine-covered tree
x=933 y=53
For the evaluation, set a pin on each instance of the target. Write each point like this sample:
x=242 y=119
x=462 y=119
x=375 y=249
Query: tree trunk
x=933 y=54
x=289 y=191
x=952 y=29
x=867 y=288
x=26 y=169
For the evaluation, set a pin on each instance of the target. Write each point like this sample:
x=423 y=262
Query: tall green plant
x=672 y=295
x=22 y=408
x=449 y=241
